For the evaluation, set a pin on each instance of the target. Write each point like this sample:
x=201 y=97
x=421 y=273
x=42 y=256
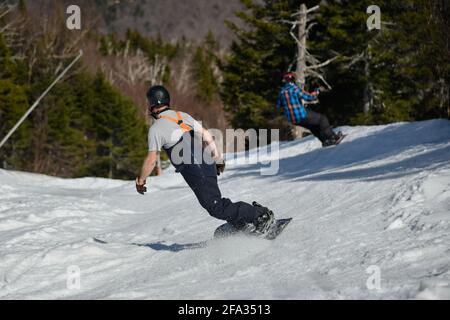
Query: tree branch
x=8 y=10
x=307 y=11
x=355 y=59
x=312 y=9
x=318 y=75
x=289 y=22
x=323 y=64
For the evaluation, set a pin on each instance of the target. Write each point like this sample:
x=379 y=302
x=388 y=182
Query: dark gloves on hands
x=220 y=167
x=140 y=188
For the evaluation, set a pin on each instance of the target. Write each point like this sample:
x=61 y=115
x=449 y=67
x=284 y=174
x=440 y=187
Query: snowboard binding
x=264 y=220
x=265 y=225
x=337 y=139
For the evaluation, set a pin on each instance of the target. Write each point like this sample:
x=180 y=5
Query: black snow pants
x=202 y=179
x=318 y=124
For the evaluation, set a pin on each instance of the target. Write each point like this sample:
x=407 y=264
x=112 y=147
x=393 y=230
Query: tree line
x=397 y=73
x=94 y=123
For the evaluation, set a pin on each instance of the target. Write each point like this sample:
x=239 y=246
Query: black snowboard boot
x=263 y=220
x=338 y=136
x=239 y=225
x=333 y=141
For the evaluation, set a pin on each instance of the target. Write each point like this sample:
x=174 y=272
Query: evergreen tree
x=119 y=133
x=82 y=127
x=412 y=62
x=385 y=75
x=13 y=104
x=397 y=73
x=58 y=145
x=264 y=50
x=341 y=29
x=204 y=62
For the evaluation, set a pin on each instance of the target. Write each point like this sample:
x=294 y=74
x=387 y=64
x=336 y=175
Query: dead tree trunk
x=307 y=64
x=301 y=45
x=368 y=89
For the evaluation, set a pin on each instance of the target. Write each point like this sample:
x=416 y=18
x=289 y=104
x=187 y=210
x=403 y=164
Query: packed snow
x=371 y=221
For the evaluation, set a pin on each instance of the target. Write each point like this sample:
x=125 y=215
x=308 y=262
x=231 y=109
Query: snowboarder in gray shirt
x=184 y=139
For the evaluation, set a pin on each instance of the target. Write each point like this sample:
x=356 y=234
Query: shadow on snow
x=388 y=142
x=176 y=247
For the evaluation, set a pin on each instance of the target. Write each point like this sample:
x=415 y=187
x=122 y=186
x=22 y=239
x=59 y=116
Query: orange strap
x=178 y=121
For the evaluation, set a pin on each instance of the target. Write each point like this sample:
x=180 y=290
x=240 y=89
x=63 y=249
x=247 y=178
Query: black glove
x=220 y=167
x=140 y=188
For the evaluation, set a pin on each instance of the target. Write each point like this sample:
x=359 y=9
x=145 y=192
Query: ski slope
x=379 y=201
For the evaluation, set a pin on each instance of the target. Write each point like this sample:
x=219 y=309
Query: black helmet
x=158 y=96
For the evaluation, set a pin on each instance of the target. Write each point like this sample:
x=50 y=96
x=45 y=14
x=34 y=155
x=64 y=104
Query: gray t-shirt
x=166 y=133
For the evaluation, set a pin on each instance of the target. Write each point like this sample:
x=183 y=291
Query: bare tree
x=40 y=39
x=182 y=76
x=13 y=27
x=133 y=67
x=307 y=64
x=43 y=34
x=181 y=72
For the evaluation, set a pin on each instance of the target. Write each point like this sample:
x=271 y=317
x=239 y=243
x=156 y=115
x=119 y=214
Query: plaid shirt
x=290 y=99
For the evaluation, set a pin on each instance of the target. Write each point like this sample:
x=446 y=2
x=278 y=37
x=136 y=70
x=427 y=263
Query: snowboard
x=227 y=230
x=340 y=139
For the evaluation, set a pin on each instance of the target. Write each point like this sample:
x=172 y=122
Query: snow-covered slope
x=379 y=202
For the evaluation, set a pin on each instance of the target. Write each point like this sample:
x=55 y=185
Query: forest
x=94 y=122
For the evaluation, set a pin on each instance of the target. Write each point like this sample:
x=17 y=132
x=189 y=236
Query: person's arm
x=146 y=170
x=278 y=106
x=158 y=164
x=306 y=95
x=207 y=137
x=217 y=156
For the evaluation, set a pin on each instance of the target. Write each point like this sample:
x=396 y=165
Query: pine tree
x=398 y=73
x=341 y=29
x=13 y=104
x=119 y=133
x=264 y=50
x=62 y=141
x=204 y=61
x=82 y=127
x=386 y=75
x=412 y=61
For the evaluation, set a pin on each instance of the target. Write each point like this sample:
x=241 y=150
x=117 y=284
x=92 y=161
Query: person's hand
x=220 y=166
x=140 y=186
x=316 y=92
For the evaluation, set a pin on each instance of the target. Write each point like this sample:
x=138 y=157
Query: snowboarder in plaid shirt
x=290 y=101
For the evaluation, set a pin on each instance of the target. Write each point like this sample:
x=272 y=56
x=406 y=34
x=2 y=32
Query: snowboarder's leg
x=320 y=127
x=320 y=124
x=331 y=138
x=325 y=127
x=202 y=179
x=315 y=130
